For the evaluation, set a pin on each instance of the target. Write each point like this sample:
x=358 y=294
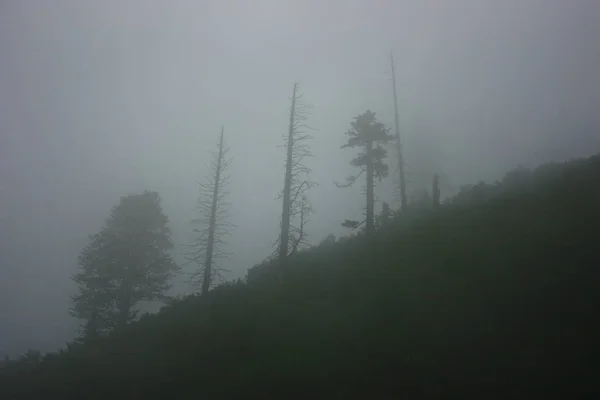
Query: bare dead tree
x=213 y=222
x=402 y=181
x=295 y=203
x=298 y=240
x=436 y=191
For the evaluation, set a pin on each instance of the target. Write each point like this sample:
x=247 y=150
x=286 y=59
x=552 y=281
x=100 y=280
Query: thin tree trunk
x=287 y=183
x=370 y=190
x=436 y=191
x=213 y=221
x=398 y=142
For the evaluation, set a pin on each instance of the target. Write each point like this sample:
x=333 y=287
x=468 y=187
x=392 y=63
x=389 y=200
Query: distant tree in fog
x=296 y=206
x=213 y=222
x=128 y=261
x=369 y=135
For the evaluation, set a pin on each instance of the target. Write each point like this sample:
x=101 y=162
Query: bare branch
x=212 y=224
x=297 y=178
x=349 y=180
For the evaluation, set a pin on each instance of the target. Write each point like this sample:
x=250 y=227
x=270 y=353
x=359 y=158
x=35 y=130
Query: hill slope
x=494 y=295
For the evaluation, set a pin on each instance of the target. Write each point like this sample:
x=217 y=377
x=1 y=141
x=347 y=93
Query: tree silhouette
x=412 y=313
x=213 y=224
x=369 y=134
x=435 y=190
x=399 y=155
x=296 y=206
x=125 y=263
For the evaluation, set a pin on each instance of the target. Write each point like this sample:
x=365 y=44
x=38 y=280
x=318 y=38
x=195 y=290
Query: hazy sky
x=100 y=99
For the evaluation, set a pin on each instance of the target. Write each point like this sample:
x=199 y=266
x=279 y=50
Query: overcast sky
x=100 y=99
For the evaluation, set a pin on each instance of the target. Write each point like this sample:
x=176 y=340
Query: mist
x=103 y=99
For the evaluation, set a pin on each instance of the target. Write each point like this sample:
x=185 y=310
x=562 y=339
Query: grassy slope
x=492 y=295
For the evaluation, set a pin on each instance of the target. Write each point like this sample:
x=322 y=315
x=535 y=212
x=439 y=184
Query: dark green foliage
x=369 y=135
x=125 y=263
x=367 y=131
x=492 y=295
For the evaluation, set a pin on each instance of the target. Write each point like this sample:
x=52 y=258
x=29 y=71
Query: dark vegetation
x=494 y=294
x=128 y=261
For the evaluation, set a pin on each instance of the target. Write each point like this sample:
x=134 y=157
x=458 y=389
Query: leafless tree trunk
x=296 y=180
x=298 y=233
x=287 y=183
x=213 y=221
x=436 y=191
x=398 y=141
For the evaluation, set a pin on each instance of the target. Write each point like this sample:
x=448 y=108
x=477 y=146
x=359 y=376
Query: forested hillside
x=492 y=294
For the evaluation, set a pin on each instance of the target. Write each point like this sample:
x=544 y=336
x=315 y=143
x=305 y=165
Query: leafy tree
x=95 y=300
x=128 y=261
x=369 y=135
x=213 y=223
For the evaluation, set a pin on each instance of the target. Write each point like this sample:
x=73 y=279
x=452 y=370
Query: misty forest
x=317 y=212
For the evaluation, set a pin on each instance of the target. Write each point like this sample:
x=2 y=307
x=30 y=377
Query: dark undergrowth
x=495 y=294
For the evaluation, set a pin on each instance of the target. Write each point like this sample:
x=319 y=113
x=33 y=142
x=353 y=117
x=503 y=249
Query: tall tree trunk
x=287 y=183
x=436 y=191
x=398 y=142
x=370 y=190
x=213 y=221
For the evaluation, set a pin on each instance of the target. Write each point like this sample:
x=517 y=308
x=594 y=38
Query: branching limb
x=212 y=224
x=350 y=180
x=297 y=179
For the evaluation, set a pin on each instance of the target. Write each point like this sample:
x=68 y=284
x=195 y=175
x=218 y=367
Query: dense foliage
x=493 y=294
x=128 y=261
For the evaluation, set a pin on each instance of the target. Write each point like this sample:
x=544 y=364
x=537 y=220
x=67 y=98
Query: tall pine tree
x=369 y=135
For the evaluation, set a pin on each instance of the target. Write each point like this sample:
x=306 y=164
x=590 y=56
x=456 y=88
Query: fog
x=108 y=98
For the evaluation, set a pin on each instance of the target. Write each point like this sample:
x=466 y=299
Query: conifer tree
x=128 y=261
x=369 y=135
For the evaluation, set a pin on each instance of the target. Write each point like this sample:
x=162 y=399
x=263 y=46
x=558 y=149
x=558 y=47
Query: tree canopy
x=128 y=261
